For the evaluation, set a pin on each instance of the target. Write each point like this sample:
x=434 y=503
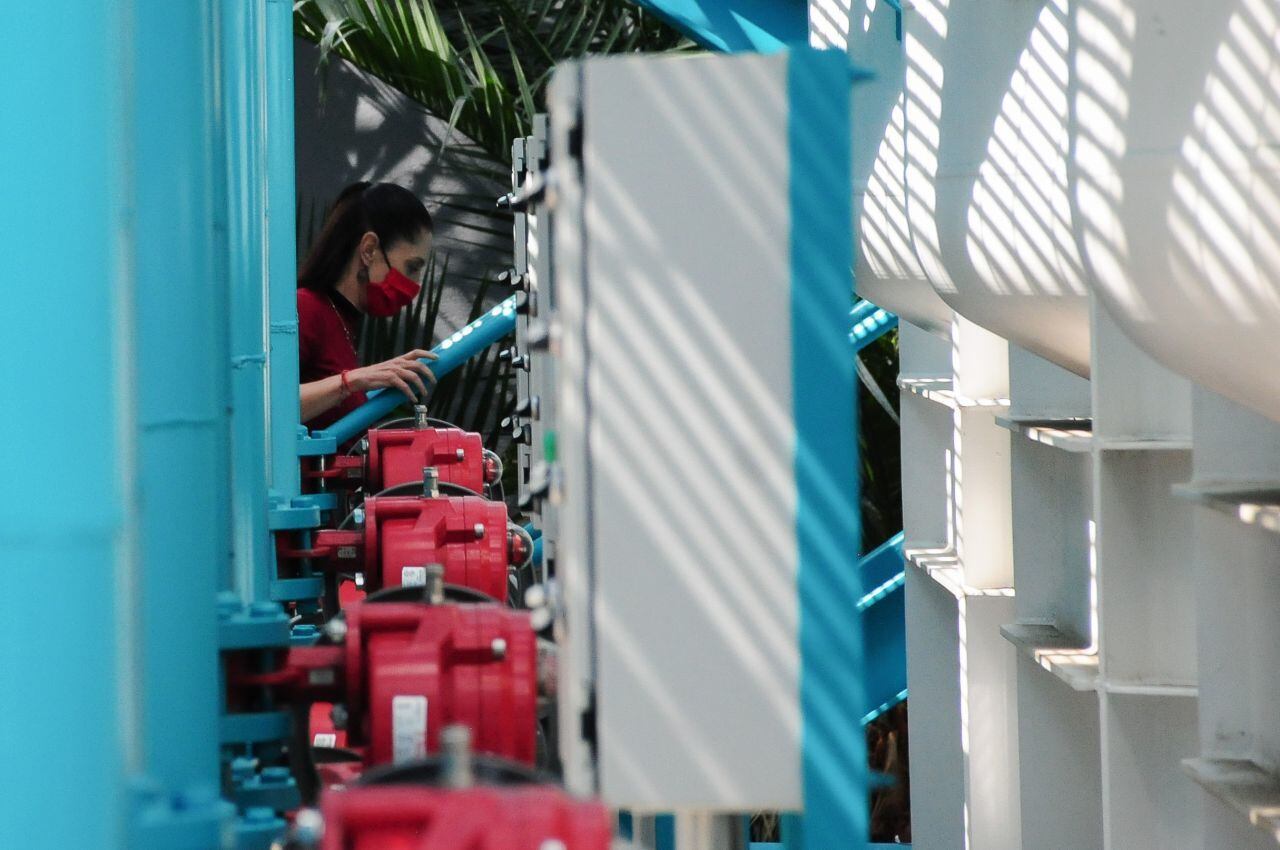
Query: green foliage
x=879 y=446
x=482 y=66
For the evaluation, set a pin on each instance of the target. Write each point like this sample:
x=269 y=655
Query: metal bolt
x=243 y=768
x=259 y=814
x=265 y=609
x=535 y=597
x=308 y=826
x=540 y=618
x=420 y=418
x=461 y=455
x=336 y=629
x=455 y=744
x=479 y=529
x=339 y=715
x=499 y=648
x=430 y=482
x=435 y=583
x=552 y=844
x=276 y=774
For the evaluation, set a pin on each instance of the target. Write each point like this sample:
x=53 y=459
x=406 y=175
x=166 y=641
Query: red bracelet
x=346 y=387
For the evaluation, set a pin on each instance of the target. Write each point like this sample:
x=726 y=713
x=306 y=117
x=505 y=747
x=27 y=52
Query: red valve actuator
x=398 y=456
x=407 y=817
x=413 y=669
x=403 y=535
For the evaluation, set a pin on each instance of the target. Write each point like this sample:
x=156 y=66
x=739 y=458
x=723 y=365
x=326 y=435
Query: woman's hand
x=405 y=373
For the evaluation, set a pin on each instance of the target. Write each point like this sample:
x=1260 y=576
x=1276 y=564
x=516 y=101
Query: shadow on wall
x=352 y=126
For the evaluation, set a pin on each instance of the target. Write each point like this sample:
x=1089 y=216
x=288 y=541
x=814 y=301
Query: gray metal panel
x=678 y=335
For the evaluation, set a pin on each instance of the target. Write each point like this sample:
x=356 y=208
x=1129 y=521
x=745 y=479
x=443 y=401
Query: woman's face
x=410 y=258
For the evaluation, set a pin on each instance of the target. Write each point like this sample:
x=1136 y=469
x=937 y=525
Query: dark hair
x=392 y=212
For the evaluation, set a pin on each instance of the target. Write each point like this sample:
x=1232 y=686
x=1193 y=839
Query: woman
x=369 y=258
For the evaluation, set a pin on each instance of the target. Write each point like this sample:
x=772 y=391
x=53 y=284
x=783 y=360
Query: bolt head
x=336 y=629
x=338 y=714
x=535 y=597
x=479 y=530
x=499 y=648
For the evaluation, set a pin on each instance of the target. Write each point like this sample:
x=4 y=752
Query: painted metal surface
x=76 y=518
x=987 y=138
x=734 y=26
x=453 y=352
x=181 y=391
x=1176 y=183
x=826 y=448
x=108 y=704
x=282 y=248
x=613 y=293
x=886 y=268
x=241 y=43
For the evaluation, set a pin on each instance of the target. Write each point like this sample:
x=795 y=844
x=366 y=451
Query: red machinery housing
x=402 y=535
x=406 y=817
x=398 y=456
x=406 y=670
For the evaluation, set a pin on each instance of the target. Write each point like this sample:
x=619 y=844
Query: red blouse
x=328 y=326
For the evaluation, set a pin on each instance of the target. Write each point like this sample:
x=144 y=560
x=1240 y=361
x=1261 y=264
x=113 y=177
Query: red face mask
x=385 y=297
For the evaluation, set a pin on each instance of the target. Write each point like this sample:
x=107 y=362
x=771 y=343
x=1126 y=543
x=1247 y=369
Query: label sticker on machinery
x=325 y=739
x=408 y=728
x=413 y=576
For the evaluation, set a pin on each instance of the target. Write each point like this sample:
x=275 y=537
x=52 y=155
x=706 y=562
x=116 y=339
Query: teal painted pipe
x=869 y=323
x=453 y=352
x=67 y=715
x=180 y=385
x=282 y=248
x=242 y=87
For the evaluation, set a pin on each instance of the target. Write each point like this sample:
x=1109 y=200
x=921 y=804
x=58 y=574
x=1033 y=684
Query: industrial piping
x=453 y=352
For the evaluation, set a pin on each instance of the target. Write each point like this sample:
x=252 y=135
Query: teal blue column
x=65 y=522
x=282 y=272
x=180 y=386
x=242 y=46
x=826 y=461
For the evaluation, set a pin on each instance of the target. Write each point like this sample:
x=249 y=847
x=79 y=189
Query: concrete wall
x=352 y=126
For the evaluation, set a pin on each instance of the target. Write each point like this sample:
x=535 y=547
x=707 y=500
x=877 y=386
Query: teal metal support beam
x=107 y=661
x=69 y=722
x=735 y=26
x=242 y=44
x=282 y=248
x=181 y=389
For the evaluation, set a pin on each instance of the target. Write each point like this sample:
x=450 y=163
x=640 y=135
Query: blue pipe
x=67 y=721
x=181 y=342
x=242 y=43
x=453 y=352
x=282 y=247
x=869 y=323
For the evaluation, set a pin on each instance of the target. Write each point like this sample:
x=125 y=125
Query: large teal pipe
x=64 y=532
x=453 y=352
x=181 y=390
x=282 y=248
x=242 y=52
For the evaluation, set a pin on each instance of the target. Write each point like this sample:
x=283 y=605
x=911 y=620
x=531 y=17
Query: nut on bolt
x=336 y=629
x=499 y=648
